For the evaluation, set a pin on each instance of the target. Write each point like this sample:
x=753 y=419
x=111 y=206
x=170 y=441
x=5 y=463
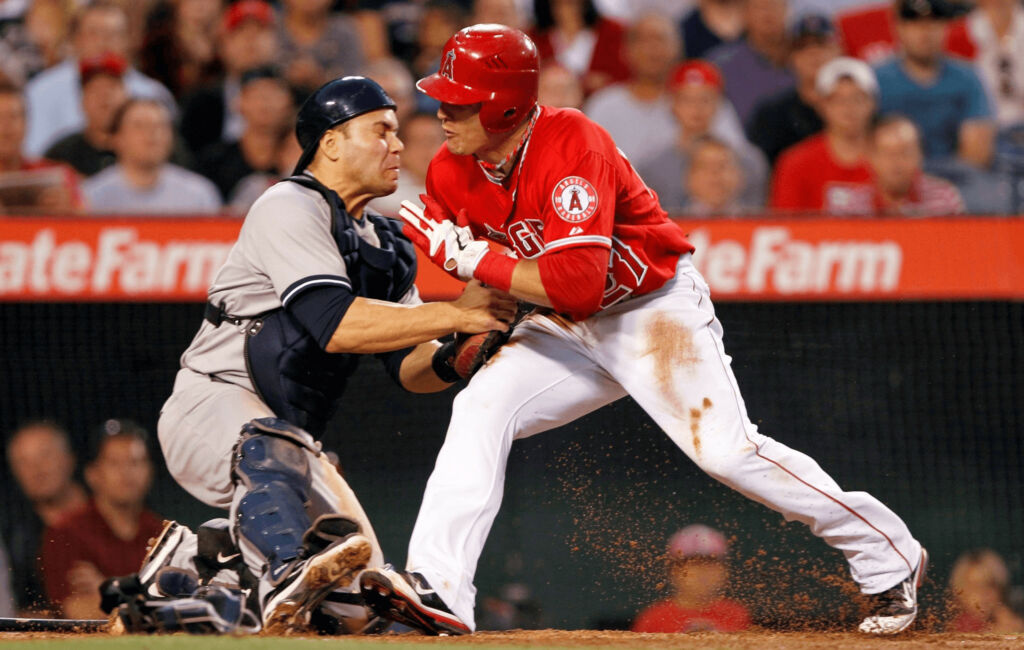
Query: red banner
x=151 y=259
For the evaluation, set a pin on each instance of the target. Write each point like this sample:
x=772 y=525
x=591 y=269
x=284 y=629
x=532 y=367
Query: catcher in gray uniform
x=313 y=282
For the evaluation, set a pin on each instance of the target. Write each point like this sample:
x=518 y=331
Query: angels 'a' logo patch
x=448 y=65
x=575 y=199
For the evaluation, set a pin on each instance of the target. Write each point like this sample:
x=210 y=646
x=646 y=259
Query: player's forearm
x=527 y=284
x=417 y=373
x=372 y=326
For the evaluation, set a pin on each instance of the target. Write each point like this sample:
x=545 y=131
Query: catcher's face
x=462 y=128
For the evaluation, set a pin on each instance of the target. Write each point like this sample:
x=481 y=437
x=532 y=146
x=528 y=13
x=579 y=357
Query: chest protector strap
x=291 y=372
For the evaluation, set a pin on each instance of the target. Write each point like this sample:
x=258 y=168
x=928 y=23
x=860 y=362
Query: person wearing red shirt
x=620 y=309
x=573 y=34
x=900 y=185
x=699 y=575
x=829 y=172
x=27 y=184
x=980 y=584
x=108 y=535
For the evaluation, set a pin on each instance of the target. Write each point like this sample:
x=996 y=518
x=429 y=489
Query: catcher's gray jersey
x=285 y=247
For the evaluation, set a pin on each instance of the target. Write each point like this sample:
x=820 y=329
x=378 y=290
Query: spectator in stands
x=143 y=181
x=699 y=575
x=714 y=181
x=42 y=462
x=90 y=150
x=829 y=172
x=6 y=595
x=500 y=12
x=267 y=105
x=980 y=582
x=25 y=183
x=573 y=34
x=247 y=190
x=699 y=110
x=993 y=34
x=397 y=82
x=422 y=135
x=637 y=113
x=755 y=67
x=54 y=95
x=33 y=41
x=900 y=185
x=710 y=24
x=556 y=86
x=107 y=536
x=248 y=39
x=869 y=32
x=792 y=115
x=943 y=97
x=179 y=46
x=438 y=21
x=946 y=101
x=318 y=44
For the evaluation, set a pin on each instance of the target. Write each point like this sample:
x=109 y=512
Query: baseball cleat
x=288 y=608
x=896 y=608
x=407 y=598
x=159 y=553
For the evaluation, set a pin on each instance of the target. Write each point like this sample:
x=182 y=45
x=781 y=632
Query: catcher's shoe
x=407 y=598
x=896 y=608
x=307 y=582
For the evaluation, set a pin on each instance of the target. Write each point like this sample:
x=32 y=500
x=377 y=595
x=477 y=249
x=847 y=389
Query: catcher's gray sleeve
x=289 y=239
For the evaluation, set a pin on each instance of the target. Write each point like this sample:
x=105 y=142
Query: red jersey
x=720 y=616
x=570 y=187
x=808 y=177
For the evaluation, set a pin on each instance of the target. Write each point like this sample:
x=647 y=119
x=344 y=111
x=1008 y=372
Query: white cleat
x=896 y=608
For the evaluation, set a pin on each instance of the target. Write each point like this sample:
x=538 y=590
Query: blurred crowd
x=725 y=107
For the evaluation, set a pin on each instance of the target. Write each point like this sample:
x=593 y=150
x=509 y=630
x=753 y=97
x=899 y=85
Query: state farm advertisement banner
x=151 y=259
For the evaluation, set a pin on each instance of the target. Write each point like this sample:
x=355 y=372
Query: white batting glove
x=449 y=246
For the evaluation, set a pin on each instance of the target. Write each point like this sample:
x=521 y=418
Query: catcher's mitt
x=462 y=357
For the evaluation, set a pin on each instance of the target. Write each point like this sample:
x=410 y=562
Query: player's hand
x=483 y=309
x=448 y=245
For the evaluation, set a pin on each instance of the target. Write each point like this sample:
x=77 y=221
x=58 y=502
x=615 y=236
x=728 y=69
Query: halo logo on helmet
x=331 y=104
x=498 y=69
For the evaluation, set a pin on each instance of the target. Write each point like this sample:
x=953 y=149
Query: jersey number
x=622 y=263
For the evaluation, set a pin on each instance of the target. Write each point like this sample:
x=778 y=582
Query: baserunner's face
x=462 y=128
x=372 y=149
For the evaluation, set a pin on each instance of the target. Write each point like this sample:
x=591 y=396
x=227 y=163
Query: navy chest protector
x=291 y=372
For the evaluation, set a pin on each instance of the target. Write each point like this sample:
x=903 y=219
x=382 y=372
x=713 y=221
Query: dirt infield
x=544 y=639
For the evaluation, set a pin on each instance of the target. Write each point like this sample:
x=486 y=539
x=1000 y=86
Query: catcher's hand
x=448 y=245
x=462 y=357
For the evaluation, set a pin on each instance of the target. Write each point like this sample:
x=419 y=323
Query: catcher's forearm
x=417 y=374
x=372 y=326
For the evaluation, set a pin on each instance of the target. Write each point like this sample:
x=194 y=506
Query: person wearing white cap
x=829 y=172
x=699 y=574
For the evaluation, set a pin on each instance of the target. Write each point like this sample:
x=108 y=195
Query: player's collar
x=499 y=172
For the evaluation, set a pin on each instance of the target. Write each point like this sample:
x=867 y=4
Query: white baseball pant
x=665 y=350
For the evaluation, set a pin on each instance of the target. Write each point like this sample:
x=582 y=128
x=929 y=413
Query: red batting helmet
x=494 y=65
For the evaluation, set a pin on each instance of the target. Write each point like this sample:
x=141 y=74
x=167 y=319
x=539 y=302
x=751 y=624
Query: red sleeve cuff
x=495 y=270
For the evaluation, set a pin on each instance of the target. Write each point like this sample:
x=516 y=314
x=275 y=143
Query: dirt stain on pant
x=671 y=345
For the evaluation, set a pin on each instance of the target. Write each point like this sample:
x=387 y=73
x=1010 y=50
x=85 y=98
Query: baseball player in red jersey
x=622 y=311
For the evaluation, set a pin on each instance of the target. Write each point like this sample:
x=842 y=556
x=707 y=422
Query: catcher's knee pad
x=271 y=461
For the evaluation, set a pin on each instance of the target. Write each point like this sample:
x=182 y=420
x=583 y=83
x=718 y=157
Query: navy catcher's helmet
x=335 y=102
